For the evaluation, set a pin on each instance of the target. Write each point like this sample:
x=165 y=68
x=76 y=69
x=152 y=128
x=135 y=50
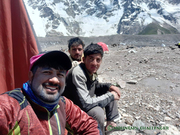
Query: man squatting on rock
x=38 y=107
x=83 y=88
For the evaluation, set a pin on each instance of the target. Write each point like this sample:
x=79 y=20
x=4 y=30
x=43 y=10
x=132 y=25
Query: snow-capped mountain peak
x=103 y=17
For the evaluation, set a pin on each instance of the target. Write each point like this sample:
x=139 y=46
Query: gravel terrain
x=149 y=80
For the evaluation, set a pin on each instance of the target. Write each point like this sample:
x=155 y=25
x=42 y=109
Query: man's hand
x=116 y=96
x=115 y=89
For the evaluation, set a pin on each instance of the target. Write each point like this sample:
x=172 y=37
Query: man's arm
x=88 y=102
x=102 y=88
x=8 y=111
x=116 y=92
x=79 y=121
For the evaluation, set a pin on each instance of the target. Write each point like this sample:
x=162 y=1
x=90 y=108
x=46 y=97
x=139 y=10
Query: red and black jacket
x=19 y=115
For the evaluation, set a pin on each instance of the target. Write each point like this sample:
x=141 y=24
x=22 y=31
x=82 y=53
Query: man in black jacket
x=83 y=88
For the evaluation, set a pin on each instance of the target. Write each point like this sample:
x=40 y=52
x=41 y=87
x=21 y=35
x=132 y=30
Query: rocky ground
x=149 y=80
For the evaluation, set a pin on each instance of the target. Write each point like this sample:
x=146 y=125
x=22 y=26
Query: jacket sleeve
x=79 y=121
x=102 y=88
x=8 y=113
x=88 y=102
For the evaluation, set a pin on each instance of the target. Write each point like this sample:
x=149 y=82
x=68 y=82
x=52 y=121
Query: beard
x=48 y=98
x=76 y=57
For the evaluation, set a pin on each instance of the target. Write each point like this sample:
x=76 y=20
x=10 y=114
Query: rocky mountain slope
x=103 y=17
x=116 y=40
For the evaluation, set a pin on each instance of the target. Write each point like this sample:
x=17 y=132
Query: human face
x=76 y=52
x=47 y=83
x=92 y=62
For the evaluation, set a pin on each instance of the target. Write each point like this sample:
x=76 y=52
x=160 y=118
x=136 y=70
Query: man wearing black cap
x=38 y=107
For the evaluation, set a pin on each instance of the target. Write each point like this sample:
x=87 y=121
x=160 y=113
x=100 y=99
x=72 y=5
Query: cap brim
x=58 y=56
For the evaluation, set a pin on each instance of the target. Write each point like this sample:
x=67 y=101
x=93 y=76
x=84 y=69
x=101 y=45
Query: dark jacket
x=84 y=91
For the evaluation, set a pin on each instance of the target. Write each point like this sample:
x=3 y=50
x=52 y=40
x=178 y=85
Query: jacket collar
x=92 y=77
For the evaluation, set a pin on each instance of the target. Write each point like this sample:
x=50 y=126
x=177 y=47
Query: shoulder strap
x=63 y=99
x=18 y=95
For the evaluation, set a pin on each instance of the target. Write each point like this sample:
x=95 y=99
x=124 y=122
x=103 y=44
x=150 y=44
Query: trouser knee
x=98 y=114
